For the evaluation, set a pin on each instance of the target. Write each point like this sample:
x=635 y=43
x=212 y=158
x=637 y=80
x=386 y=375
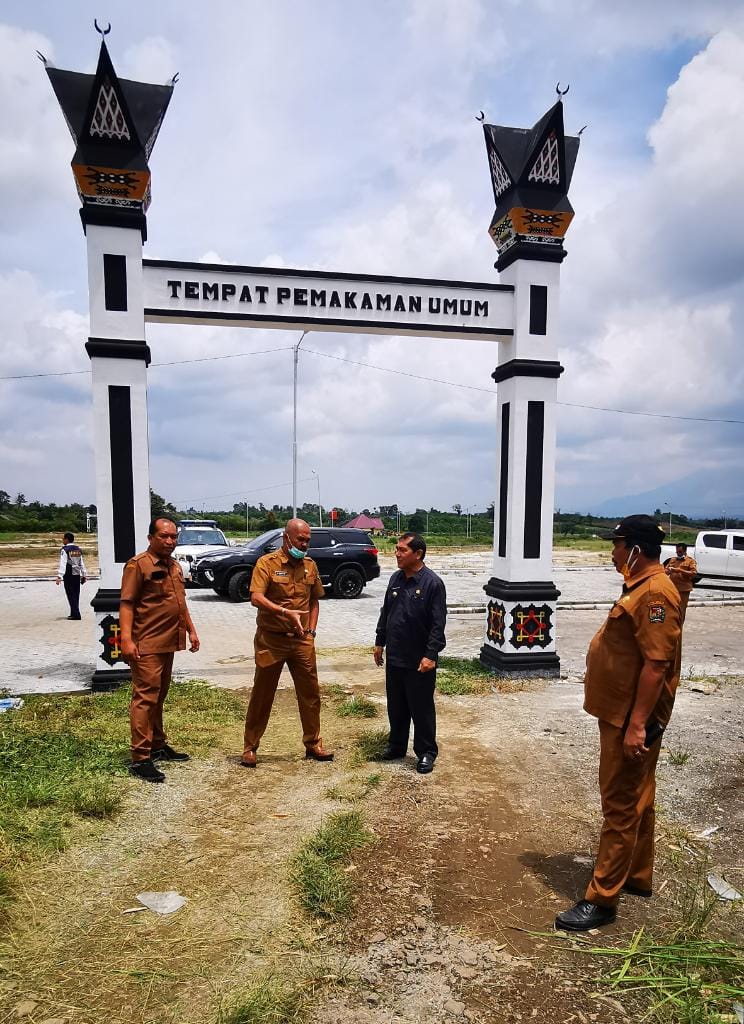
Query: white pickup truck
x=719 y=555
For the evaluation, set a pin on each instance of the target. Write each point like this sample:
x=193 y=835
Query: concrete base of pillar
x=112 y=679
x=503 y=663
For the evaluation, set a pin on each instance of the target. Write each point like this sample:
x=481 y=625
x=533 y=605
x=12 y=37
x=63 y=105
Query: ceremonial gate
x=114 y=123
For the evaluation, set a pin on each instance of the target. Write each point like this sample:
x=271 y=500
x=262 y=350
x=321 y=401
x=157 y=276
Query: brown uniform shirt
x=154 y=587
x=682 y=580
x=643 y=624
x=289 y=582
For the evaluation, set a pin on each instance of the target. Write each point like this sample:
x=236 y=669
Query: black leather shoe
x=634 y=890
x=74 y=618
x=391 y=754
x=585 y=915
x=146 y=771
x=167 y=753
x=425 y=764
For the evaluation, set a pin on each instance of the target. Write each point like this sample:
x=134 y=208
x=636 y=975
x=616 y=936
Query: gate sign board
x=316 y=300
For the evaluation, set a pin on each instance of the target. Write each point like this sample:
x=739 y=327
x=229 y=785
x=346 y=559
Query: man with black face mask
x=631 y=678
x=285 y=588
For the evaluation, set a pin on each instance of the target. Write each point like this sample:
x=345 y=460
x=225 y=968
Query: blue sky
x=343 y=137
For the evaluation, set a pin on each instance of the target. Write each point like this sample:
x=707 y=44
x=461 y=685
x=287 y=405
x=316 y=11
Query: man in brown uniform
x=285 y=588
x=154 y=621
x=632 y=675
x=682 y=571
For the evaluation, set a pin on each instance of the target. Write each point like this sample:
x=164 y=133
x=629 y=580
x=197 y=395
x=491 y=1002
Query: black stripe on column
x=538 y=309
x=122 y=478
x=115 y=282
x=533 y=479
x=504 y=479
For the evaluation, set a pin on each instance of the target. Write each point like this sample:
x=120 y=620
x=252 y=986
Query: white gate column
x=530 y=172
x=114 y=124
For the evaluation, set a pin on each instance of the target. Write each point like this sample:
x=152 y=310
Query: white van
x=719 y=554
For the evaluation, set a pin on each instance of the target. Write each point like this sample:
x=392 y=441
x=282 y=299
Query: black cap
x=639 y=530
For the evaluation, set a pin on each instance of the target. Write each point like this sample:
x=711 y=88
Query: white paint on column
x=106 y=323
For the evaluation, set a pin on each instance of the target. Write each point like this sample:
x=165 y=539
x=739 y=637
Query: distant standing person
x=154 y=621
x=285 y=588
x=411 y=627
x=682 y=571
x=71 y=572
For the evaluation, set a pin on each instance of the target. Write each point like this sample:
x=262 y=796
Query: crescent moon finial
x=102 y=31
x=559 y=91
x=480 y=116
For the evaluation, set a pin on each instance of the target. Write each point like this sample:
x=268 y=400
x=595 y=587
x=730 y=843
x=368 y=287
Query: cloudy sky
x=342 y=137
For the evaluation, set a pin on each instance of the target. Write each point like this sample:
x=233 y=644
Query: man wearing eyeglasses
x=411 y=627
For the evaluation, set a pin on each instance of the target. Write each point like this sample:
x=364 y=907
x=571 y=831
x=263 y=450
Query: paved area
x=42 y=652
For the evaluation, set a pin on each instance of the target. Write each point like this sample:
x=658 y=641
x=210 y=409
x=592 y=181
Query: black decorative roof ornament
x=114 y=123
x=531 y=171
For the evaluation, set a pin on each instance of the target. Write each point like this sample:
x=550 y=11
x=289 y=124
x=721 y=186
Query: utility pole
x=295 y=357
x=320 y=509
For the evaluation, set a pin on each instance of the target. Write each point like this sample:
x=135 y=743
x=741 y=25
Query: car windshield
x=192 y=536
x=264 y=538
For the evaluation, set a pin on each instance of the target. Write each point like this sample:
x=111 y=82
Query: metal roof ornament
x=103 y=31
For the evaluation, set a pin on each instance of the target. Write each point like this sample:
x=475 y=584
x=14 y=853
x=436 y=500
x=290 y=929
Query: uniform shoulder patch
x=656 y=613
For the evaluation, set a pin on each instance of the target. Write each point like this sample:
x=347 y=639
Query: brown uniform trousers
x=681 y=580
x=151 y=678
x=273 y=652
x=626 y=845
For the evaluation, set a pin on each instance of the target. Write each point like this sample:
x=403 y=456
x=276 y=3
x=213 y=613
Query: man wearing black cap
x=631 y=677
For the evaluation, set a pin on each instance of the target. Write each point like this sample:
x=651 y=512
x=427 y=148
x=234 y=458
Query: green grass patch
x=457 y=676
x=679 y=756
x=64 y=759
x=322 y=886
x=268 y=1000
x=369 y=745
x=357 y=706
x=354 y=789
x=686 y=980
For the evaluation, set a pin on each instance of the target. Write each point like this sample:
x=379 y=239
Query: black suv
x=346 y=560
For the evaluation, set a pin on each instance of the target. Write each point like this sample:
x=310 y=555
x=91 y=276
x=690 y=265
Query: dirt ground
x=469 y=867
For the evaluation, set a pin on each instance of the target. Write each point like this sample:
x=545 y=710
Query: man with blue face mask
x=632 y=672
x=285 y=588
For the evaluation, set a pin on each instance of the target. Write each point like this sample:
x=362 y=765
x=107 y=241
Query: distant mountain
x=705 y=493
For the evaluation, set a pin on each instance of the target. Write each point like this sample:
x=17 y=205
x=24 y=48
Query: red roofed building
x=362 y=522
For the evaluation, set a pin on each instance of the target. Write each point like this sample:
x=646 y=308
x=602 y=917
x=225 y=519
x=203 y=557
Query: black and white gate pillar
x=114 y=123
x=530 y=172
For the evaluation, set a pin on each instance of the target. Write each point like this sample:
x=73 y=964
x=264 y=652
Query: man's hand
x=377 y=654
x=194 y=641
x=426 y=665
x=130 y=651
x=634 y=742
x=295 y=620
x=58 y=580
x=83 y=580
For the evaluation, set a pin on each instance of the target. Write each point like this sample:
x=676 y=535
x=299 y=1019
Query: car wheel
x=220 y=591
x=348 y=583
x=238 y=589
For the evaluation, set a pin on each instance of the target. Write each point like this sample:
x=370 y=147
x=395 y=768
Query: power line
x=400 y=373
x=175 y=362
x=243 y=493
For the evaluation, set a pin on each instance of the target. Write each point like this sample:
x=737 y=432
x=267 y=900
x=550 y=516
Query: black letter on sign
x=481 y=308
x=300 y=296
x=450 y=306
x=245 y=294
x=335 y=302
x=261 y=291
x=366 y=301
x=317 y=298
x=383 y=301
x=414 y=303
x=191 y=290
x=174 y=286
x=538 y=309
x=228 y=290
x=434 y=305
x=210 y=291
x=350 y=300
x=115 y=282
x=282 y=294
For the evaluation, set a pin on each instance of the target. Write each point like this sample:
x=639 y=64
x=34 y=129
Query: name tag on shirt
x=280 y=572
